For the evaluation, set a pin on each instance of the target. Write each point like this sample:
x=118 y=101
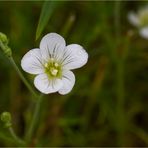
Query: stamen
x=53 y=71
x=46 y=65
x=56 y=64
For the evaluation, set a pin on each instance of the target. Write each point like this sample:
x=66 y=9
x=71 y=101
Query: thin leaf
x=46 y=12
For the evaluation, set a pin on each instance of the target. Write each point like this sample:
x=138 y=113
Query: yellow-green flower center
x=53 y=69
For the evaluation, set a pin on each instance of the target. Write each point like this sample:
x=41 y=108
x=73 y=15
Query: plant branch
x=15 y=137
x=34 y=119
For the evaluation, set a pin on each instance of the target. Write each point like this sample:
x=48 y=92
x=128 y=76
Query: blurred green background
x=108 y=105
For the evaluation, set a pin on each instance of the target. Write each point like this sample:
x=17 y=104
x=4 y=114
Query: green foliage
x=47 y=10
x=108 y=104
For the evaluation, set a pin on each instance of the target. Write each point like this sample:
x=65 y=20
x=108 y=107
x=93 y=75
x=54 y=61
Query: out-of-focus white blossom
x=140 y=20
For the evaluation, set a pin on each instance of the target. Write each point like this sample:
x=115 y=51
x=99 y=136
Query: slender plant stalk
x=141 y=133
x=35 y=117
x=119 y=76
x=15 y=137
x=117 y=19
x=68 y=25
x=8 y=53
x=23 y=78
x=37 y=106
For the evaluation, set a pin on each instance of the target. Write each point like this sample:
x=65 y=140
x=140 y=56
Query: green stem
x=117 y=20
x=34 y=119
x=142 y=134
x=15 y=137
x=119 y=76
x=68 y=25
x=120 y=83
x=38 y=103
x=22 y=77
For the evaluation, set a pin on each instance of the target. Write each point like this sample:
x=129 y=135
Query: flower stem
x=15 y=137
x=34 y=119
x=68 y=25
x=119 y=76
x=37 y=107
x=117 y=19
x=22 y=77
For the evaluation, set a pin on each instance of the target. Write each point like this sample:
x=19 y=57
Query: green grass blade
x=46 y=12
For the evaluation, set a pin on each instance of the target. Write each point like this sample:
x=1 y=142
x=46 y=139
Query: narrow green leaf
x=46 y=12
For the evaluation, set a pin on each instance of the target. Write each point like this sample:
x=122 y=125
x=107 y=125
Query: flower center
x=53 y=69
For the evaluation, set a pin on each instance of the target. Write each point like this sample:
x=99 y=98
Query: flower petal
x=46 y=86
x=52 y=45
x=144 y=32
x=32 y=62
x=133 y=18
x=74 y=57
x=68 y=82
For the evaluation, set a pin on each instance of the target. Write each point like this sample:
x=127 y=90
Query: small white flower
x=140 y=20
x=52 y=64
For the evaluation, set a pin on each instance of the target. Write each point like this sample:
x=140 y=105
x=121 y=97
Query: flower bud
x=3 y=38
x=6 y=118
x=4 y=45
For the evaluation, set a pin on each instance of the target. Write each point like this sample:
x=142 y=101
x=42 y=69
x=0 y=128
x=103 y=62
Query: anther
x=53 y=71
x=46 y=65
x=56 y=64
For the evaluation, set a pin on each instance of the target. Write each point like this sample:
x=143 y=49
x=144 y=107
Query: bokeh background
x=108 y=105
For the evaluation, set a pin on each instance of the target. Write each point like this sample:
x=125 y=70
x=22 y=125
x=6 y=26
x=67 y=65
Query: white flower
x=52 y=64
x=140 y=20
